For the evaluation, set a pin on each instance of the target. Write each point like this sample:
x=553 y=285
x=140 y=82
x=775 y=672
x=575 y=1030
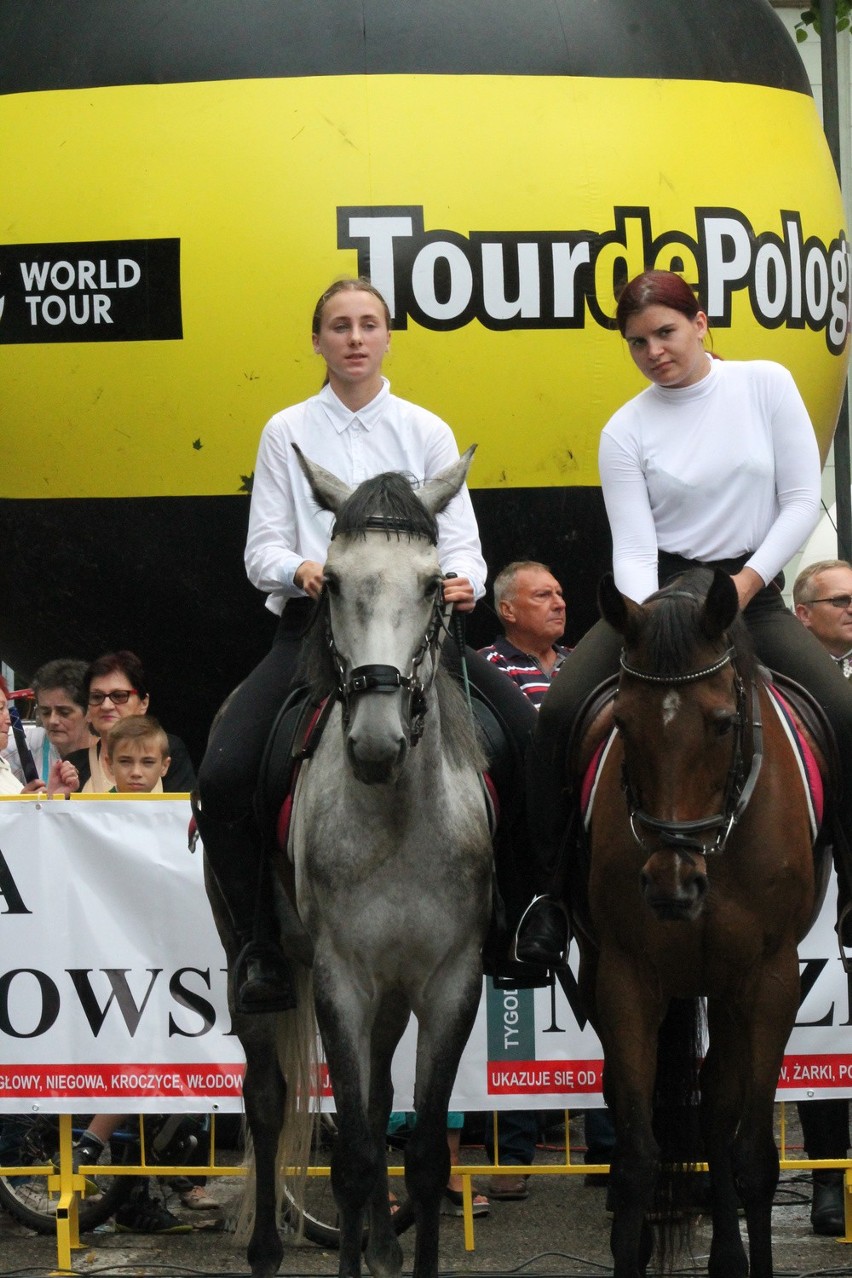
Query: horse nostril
x=700 y=885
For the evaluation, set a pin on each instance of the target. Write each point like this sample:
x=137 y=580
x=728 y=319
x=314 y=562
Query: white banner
x=113 y=990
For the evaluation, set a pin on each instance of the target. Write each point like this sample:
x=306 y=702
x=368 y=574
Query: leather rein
x=684 y=836
x=377 y=677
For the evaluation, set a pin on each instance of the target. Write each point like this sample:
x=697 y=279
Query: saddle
x=294 y=738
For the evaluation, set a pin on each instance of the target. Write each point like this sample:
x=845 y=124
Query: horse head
x=680 y=713
x=384 y=608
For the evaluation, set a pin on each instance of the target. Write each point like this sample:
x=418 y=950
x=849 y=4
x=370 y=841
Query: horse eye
x=723 y=726
x=332 y=585
x=432 y=588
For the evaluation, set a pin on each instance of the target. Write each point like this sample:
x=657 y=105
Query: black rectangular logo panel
x=103 y=291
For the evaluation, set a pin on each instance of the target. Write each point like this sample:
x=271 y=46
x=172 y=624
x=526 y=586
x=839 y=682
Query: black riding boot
x=261 y=973
x=827 y=1206
x=544 y=932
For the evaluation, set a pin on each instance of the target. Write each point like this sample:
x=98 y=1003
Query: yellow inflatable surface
x=177 y=236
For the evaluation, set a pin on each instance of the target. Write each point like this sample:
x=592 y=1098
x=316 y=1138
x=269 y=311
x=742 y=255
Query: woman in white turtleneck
x=713 y=463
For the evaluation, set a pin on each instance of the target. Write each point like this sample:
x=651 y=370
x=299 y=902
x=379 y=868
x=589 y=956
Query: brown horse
x=701 y=882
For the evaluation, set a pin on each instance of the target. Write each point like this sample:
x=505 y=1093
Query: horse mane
x=672 y=631
x=390 y=497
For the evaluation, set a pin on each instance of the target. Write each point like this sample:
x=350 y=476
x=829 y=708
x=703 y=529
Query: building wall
x=810 y=50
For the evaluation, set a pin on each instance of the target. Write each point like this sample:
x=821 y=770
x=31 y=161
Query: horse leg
x=630 y=1051
x=345 y=1018
x=444 y=1025
x=722 y=1089
x=383 y=1252
x=264 y=1093
x=770 y=1018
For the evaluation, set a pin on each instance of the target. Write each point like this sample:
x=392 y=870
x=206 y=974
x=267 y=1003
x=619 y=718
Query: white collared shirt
x=285 y=525
x=844 y=662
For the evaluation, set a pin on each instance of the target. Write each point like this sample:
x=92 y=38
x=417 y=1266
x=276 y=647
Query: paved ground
x=562 y=1229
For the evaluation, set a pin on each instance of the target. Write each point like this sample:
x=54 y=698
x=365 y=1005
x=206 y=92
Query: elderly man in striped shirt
x=530 y=604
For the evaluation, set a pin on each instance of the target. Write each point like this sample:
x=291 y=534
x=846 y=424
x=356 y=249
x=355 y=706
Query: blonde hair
x=136 y=727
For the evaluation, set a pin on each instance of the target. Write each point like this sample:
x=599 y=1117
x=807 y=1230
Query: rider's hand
x=748 y=583
x=308 y=577
x=459 y=592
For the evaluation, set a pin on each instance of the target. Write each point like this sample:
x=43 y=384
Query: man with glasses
x=822 y=599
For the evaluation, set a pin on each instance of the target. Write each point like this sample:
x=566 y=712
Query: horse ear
x=439 y=492
x=329 y=491
x=622 y=613
x=721 y=605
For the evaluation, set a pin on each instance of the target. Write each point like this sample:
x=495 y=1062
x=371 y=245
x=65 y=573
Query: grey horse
x=393 y=862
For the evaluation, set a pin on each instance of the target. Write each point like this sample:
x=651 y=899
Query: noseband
x=683 y=836
x=377 y=677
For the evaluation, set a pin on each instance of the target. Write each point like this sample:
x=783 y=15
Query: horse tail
x=296 y=1047
x=297 y=1058
x=680 y=1044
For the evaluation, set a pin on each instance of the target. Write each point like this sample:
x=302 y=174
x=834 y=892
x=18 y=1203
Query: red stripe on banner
x=70 y=1081
x=543 y=1078
x=817 y=1071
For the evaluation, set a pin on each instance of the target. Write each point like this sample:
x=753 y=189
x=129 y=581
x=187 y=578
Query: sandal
x=453 y=1204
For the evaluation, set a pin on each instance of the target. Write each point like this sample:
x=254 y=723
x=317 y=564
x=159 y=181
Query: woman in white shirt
x=714 y=463
x=355 y=428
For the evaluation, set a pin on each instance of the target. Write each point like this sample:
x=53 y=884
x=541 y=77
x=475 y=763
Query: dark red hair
x=655 y=288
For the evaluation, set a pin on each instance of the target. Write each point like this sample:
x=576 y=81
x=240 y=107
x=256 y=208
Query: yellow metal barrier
x=69 y=1184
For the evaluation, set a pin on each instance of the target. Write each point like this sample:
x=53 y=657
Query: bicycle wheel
x=319 y=1218
x=33 y=1140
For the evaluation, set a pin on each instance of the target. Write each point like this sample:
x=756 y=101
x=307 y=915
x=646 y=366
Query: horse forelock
x=672 y=636
x=388 y=496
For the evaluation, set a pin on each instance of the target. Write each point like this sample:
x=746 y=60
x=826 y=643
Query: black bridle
x=377 y=677
x=683 y=836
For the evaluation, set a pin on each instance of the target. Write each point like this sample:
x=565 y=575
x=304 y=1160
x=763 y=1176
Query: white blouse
x=285 y=525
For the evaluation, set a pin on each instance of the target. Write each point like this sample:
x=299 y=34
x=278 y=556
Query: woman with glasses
x=113 y=687
x=714 y=463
